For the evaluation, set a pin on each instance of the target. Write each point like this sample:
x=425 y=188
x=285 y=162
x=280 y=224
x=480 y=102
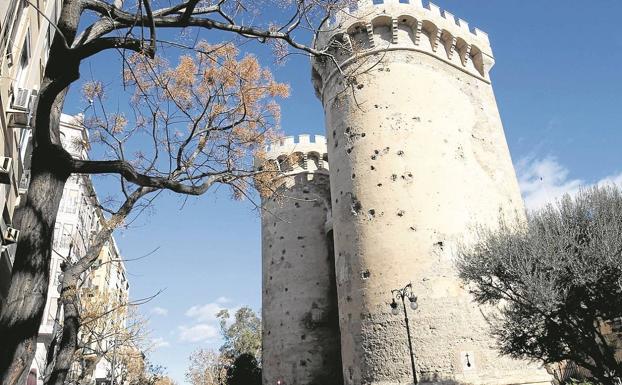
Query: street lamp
x=403 y=294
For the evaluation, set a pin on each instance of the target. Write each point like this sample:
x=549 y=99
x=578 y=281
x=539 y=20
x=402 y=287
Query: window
x=56 y=272
x=49 y=36
x=55 y=237
x=24 y=60
x=65 y=239
x=72 y=201
x=9 y=31
x=69 y=203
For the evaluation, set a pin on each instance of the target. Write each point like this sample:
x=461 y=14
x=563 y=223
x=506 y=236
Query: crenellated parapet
x=291 y=161
x=374 y=26
x=297 y=154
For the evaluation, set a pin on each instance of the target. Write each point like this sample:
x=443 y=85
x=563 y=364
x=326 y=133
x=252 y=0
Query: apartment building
x=79 y=218
x=25 y=38
x=26 y=33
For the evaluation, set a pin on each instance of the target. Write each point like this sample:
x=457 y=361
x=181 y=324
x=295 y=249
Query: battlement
x=381 y=25
x=296 y=154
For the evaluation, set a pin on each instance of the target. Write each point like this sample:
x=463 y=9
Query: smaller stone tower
x=300 y=320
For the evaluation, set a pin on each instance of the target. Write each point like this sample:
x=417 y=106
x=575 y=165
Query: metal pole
x=410 y=344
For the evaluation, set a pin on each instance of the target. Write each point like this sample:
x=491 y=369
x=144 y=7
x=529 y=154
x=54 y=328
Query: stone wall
x=300 y=324
x=418 y=160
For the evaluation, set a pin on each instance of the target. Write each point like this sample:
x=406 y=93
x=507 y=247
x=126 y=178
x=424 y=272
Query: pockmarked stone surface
x=418 y=160
x=299 y=310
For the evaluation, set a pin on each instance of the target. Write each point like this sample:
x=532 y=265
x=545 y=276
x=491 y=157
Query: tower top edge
x=303 y=143
x=301 y=149
x=298 y=143
x=365 y=11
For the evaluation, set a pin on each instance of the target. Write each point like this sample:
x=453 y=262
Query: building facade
x=25 y=39
x=418 y=159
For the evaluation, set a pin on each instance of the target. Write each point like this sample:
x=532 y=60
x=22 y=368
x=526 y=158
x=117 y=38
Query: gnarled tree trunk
x=51 y=166
x=68 y=344
x=23 y=311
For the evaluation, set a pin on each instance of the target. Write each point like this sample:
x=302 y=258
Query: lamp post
x=401 y=294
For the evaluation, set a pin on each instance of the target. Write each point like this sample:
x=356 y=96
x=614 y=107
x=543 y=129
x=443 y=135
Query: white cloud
x=204 y=313
x=223 y=300
x=198 y=333
x=160 y=343
x=206 y=326
x=159 y=311
x=545 y=180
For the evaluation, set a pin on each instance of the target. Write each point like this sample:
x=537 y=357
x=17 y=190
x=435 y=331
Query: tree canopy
x=556 y=278
x=242 y=336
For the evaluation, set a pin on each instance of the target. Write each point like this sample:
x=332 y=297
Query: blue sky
x=559 y=88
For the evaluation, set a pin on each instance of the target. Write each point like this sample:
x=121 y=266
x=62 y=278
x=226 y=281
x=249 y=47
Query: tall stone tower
x=300 y=320
x=418 y=158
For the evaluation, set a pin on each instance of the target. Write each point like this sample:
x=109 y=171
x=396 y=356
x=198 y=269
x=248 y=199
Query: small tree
x=242 y=336
x=555 y=278
x=207 y=367
x=239 y=354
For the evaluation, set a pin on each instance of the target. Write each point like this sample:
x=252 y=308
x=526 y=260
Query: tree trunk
x=70 y=299
x=69 y=340
x=23 y=311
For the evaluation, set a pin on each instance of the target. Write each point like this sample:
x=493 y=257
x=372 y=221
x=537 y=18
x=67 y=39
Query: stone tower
x=418 y=158
x=300 y=320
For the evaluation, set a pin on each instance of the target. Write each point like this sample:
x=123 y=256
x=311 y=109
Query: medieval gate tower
x=418 y=159
x=299 y=308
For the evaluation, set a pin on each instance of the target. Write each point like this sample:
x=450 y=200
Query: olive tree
x=555 y=278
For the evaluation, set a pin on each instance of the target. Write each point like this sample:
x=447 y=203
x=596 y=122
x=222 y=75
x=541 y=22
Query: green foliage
x=555 y=279
x=244 y=371
x=242 y=336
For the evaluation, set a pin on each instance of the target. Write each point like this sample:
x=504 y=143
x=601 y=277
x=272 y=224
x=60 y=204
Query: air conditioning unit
x=11 y=235
x=21 y=99
x=22 y=106
x=5 y=169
